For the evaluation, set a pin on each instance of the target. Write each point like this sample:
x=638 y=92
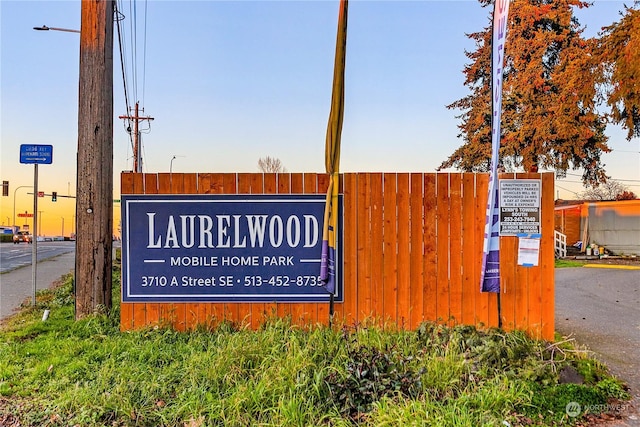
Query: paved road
x=16 y=285
x=15 y=256
x=600 y=308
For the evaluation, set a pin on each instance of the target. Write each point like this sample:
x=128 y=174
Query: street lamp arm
x=175 y=156
x=14 y=201
x=45 y=28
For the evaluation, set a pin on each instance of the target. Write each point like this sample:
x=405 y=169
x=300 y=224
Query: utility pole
x=94 y=212
x=137 y=157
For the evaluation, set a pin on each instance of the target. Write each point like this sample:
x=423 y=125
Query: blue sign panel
x=224 y=248
x=35 y=153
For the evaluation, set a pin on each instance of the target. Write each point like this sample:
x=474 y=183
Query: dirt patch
x=8 y=409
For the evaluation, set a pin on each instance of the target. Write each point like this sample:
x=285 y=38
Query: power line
x=566 y=189
x=580 y=182
x=130 y=77
x=121 y=47
x=134 y=46
x=615 y=179
x=144 y=52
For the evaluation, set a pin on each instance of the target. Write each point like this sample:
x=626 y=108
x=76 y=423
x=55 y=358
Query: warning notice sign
x=520 y=206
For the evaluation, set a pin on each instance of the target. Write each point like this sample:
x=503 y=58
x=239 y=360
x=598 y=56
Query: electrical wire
x=127 y=122
x=566 y=189
x=139 y=49
x=134 y=45
x=144 y=50
x=131 y=62
x=119 y=17
x=615 y=179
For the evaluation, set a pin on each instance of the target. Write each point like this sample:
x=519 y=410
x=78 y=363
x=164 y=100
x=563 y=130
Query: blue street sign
x=225 y=248
x=36 y=153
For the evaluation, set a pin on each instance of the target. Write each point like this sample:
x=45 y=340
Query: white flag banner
x=490 y=272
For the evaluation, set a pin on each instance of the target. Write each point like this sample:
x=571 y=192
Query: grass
x=88 y=373
x=563 y=263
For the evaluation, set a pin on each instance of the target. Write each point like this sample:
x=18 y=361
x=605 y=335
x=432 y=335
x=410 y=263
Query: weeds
x=66 y=372
x=369 y=375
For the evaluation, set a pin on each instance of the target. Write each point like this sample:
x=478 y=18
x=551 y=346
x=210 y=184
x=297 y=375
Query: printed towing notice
x=520 y=206
x=224 y=248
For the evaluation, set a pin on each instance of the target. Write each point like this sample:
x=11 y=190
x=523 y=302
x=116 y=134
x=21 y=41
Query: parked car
x=22 y=236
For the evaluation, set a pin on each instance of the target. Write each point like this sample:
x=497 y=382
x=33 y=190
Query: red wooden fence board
x=416 y=235
x=412 y=250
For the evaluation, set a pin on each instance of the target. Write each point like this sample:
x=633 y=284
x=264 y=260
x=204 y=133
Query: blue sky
x=231 y=82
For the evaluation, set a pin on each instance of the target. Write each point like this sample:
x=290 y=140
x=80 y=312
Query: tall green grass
x=64 y=372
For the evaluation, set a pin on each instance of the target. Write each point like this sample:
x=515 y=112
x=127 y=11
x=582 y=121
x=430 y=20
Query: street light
x=171 y=169
x=14 y=201
x=94 y=174
x=67 y=30
x=175 y=156
x=45 y=28
x=171 y=163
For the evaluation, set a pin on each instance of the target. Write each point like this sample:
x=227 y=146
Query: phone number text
x=231 y=281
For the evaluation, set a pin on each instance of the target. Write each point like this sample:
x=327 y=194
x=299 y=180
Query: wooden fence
x=412 y=253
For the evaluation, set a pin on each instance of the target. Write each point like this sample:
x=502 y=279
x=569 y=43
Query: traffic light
x=5 y=188
x=54 y=196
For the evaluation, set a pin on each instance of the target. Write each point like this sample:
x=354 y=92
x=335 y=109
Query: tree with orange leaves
x=550 y=118
x=619 y=51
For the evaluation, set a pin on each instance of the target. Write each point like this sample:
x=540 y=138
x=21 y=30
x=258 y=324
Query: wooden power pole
x=137 y=157
x=94 y=202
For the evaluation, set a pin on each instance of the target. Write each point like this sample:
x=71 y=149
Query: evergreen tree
x=549 y=117
x=619 y=50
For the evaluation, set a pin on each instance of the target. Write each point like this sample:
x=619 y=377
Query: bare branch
x=270 y=165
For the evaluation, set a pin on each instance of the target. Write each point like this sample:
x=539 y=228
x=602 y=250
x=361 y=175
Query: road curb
x=619 y=267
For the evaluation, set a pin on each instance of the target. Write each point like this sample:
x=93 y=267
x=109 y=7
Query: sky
x=230 y=82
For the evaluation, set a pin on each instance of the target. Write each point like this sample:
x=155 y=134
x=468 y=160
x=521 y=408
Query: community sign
x=520 y=206
x=224 y=248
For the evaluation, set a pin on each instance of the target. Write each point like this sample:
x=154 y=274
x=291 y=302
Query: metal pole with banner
x=490 y=271
x=332 y=160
